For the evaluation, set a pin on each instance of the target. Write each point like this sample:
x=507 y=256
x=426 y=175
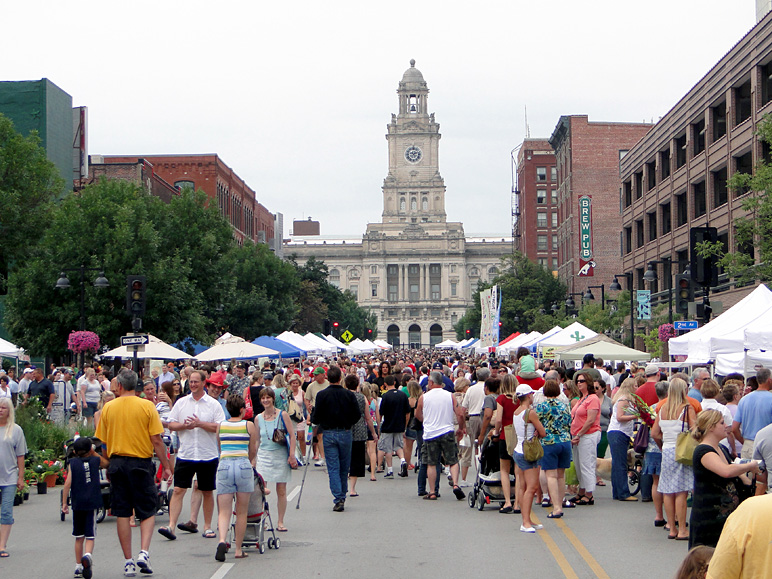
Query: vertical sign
x=586 y=261
x=644 y=304
x=486 y=339
x=495 y=305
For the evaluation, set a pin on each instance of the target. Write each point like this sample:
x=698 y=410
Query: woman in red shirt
x=506 y=404
x=585 y=435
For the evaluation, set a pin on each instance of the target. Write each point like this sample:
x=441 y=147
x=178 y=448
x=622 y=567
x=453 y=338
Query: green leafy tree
x=312 y=311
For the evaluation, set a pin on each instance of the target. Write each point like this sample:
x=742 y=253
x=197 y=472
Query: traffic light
x=469 y=333
x=684 y=293
x=327 y=328
x=135 y=295
x=369 y=332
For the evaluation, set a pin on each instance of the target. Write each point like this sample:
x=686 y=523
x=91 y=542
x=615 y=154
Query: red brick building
x=536 y=226
x=139 y=171
x=235 y=199
x=588 y=157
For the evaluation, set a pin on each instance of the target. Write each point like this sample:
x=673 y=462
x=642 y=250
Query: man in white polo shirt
x=473 y=403
x=195 y=419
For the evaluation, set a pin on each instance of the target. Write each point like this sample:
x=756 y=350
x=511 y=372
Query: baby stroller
x=163 y=487
x=487 y=485
x=104 y=484
x=258 y=522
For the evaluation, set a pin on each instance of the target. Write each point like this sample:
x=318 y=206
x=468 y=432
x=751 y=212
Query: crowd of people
x=410 y=411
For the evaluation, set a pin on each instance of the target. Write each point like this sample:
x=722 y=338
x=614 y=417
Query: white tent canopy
x=10 y=350
x=447 y=344
x=363 y=346
x=338 y=344
x=156 y=349
x=382 y=344
x=322 y=344
x=515 y=343
x=300 y=342
x=601 y=346
x=573 y=334
x=532 y=344
x=229 y=347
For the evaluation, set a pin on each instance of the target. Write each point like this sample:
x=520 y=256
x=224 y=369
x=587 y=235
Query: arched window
x=392 y=335
x=413 y=204
x=492 y=273
x=334 y=277
x=435 y=335
x=402 y=204
x=414 y=336
x=182 y=184
x=425 y=204
x=474 y=272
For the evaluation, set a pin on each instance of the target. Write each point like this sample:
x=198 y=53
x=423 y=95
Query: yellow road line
x=582 y=550
x=560 y=559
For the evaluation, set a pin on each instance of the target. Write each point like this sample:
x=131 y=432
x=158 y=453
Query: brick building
x=536 y=225
x=140 y=172
x=675 y=178
x=235 y=199
x=587 y=156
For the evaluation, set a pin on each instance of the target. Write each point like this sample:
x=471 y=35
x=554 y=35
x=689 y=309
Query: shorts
x=132 y=487
x=90 y=409
x=524 y=464
x=441 y=449
x=503 y=454
x=357 y=466
x=390 y=441
x=556 y=456
x=235 y=475
x=652 y=463
x=6 y=504
x=411 y=434
x=83 y=524
x=205 y=471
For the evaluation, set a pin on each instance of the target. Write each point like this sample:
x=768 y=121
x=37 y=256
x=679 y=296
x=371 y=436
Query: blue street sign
x=687 y=325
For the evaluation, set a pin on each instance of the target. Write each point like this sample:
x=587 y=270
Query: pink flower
x=83 y=342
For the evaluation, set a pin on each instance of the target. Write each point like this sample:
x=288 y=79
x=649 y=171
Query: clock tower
x=413 y=191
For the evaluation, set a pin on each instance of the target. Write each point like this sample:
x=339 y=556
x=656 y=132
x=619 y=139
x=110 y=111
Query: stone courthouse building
x=415 y=270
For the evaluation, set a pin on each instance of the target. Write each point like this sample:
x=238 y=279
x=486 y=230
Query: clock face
x=413 y=154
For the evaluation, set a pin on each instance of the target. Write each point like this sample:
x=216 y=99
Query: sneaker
x=339 y=507
x=143 y=562
x=319 y=462
x=389 y=475
x=87 y=563
x=78 y=572
x=524 y=529
x=129 y=568
x=464 y=484
x=403 y=470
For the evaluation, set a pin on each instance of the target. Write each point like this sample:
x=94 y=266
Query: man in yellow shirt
x=131 y=429
x=744 y=550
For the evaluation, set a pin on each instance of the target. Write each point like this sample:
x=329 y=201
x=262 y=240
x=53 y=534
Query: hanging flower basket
x=666 y=331
x=84 y=342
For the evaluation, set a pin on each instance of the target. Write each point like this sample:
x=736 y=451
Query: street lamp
x=588 y=295
x=651 y=276
x=570 y=304
x=100 y=282
x=615 y=287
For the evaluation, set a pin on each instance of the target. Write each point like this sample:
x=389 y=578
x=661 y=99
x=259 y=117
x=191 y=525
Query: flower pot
x=42 y=488
x=16 y=500
x=25 y=496
x=51 y=480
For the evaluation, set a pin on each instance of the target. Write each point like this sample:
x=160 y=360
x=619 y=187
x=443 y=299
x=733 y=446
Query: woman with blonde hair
x=13 y=447
x=107 y=395
x=620 y=432
x=372 y=409
x=572 y=393
x=506 y=404
x=676 y=479
x=716 y=480
x=411 y=434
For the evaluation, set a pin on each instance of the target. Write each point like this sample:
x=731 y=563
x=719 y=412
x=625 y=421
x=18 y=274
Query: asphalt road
x=388 y=531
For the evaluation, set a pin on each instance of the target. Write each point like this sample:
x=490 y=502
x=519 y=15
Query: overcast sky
x=295 y=96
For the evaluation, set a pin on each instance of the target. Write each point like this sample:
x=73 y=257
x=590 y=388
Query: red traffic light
x=499 y=324
x=335 y=324
x=369 y=331
x=469 y=331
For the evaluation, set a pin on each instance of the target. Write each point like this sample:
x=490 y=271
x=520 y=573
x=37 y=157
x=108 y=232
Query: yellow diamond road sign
x=347 y=336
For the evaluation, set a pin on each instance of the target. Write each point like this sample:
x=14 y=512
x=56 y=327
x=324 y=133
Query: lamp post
x=615 y=287
x=570 y=304
x=100 y=282
x=588 y=295
x=651 y=276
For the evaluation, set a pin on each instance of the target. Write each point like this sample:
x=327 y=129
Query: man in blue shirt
x=447 y=383
x=754 y=412
x=698 y=375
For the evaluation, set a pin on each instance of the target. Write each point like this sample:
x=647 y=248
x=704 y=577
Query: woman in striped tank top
x=238 y=449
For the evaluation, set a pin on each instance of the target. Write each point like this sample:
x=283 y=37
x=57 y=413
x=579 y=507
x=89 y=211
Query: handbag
x=511 y=438
x=641 y=440
x=279 y=435
x=685 y=444
x=296 y=413
x=532 y=448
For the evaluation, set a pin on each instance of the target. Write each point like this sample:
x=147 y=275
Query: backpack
x=249 y=411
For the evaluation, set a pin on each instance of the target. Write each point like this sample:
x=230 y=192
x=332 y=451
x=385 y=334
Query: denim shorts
x=6 y=504
x=235 y=475
x=522 y=463
x=556 y=456
x=411 y=434
x=652 y=463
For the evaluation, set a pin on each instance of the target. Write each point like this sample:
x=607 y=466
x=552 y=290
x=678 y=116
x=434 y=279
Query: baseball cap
x=523 y=390
x=267 y=375
x=27 y=370
x=437 y=366
x=651 y=369
x=318 y=371
x=588 y=358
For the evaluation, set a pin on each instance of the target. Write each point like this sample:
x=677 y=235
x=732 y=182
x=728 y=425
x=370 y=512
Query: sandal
x=585 y=501
x=222 y=548
x=506 y=510
x=546 y=503
x=282 y=528
x=209 y=534
x=189 y=527
x=554 y=515
x=4 y=554
x=600 y=483
x=568 y=504
x=166 y=532
x=459 y=493
x=242 y=556
x=430 y=497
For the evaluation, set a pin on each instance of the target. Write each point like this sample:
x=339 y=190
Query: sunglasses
x=581 y=381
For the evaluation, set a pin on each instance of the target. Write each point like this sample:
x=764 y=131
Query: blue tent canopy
x=191 y=347
x=285 y=349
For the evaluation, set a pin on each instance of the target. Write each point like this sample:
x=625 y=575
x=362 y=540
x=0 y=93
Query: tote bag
x=685 y=444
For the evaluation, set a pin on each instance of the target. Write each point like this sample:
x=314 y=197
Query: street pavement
x=388 y=531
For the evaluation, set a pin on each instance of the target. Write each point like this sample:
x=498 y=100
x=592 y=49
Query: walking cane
x=305 y=472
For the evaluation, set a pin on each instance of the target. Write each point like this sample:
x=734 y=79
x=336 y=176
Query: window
x=698 y=137
x=554 y=216
x=542 y=261
x=453 y=289
x=682 y=215
x=554 y=174
x=492 y=273
x=627 y=193
x=698 y=197
x=742 y=102
x=393 y=293
x=680 y=151
x=638 y=184
x=402 y=204
x=373 y=269
x=554 y=196
x=554 y=242
x=639 y=233
x=651 y=175
x=413 y=288
x=744 y=164
x=454 y=318
x=182 y=184
x=354 y=289
x=652 y=219
x=412 y=269
x=425 y=204
x=766 y=83
x=541 y=219
x=541 y=196
x=554 y=264
x=334 y=277
x=666 y=219
x=541 y=174
x=435 y=269
x=628 y=239
x=435 y=291
x=374 y=290
x=719 y=187
x=541 y=243
x=719 y=121
x=664 y=164
x=453 y=268
x=413 y=204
